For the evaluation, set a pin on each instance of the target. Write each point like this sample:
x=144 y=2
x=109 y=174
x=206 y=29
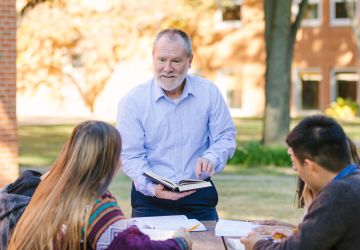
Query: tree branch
x=295 y=26
x=30 y=5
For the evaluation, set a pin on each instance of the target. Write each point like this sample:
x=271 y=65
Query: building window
x=307 y=91
x=229 y=83
x=312 y=13
x=229 y=14
x=345 y=85
x=76 y=60
x=338 y=13
x=234 y=98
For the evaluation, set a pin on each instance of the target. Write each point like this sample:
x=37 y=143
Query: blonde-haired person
x=71 y=206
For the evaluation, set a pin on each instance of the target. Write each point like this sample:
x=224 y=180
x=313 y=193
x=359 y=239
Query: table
x=207 y=240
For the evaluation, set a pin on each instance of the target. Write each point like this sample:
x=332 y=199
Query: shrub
x=343 y=109
x=253 y=154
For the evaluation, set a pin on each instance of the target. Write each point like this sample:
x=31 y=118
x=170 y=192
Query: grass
x=240 y=196
x=244 y=193
x=39 y=145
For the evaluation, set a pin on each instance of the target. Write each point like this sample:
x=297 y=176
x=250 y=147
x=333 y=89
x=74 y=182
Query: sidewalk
x=53 y=120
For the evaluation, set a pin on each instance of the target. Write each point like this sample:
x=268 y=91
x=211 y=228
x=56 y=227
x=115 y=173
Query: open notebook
x=172 y=222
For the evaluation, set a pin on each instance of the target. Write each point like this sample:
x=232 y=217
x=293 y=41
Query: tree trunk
x=280 y=35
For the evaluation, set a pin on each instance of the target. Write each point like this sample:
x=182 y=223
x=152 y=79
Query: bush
x=253 y=154
x=343 y=109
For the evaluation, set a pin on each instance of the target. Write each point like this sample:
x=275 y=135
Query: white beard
x=172 y=85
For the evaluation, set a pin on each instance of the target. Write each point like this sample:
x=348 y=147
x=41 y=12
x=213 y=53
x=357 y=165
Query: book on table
x=181 y=186
x=169 y=222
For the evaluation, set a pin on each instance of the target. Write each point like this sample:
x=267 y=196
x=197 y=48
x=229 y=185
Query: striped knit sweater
x=107 y=211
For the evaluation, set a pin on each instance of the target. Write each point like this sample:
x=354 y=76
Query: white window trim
x=234 y=112
x=297 y=88
x=340 y=21
x=314 y=22
x=221 y=24
x=333 y=91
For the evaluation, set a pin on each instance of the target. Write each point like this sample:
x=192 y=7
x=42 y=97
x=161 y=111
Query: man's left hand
x=204 y=167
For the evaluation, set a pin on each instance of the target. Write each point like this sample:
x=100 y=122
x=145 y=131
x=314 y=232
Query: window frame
x=221 y=23
x=340 y=21
x=333 y=87
x=223 y=86
x=297 y=90
x=314 y=22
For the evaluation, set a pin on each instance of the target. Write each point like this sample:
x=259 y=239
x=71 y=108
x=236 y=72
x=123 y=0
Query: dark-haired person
x=322 y=156
x=178 y=126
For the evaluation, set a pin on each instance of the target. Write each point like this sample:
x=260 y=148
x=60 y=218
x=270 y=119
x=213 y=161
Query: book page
x=234 y=244
x=189 y=181
x=159 y=179
x=156 y=234
x=172 y=222
x=234 y=228
x=186 y=187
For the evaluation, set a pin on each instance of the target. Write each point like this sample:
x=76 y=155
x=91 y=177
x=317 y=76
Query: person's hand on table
x=250 y=240
x=280 y=235
x=267 y=227
x=267 y=230
x=162 y=193
x=273 y=223
x=183 y=234
x=204 y=168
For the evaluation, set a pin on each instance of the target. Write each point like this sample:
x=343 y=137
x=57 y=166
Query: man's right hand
x=162 y=193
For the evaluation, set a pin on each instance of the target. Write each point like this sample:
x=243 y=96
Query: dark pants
x=199 y=205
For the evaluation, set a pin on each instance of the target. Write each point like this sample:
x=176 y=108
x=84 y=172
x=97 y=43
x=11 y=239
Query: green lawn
x=39 y=145
x=251 y=193
x=240 y=196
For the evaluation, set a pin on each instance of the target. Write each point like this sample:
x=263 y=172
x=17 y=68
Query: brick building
x=325 y=64
x=8 y=127
x=326 y=60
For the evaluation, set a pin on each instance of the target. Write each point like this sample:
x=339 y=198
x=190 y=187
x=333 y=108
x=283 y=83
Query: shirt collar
x=348 y=170
x=159 y=92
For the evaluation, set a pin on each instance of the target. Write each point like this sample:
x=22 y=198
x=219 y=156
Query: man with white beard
x=177 y=126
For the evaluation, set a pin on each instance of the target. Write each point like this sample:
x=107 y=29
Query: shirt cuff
x=213 y=159
x=151 y=188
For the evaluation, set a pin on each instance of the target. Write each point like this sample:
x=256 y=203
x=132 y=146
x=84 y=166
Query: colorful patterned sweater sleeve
x=106 y=211
x=132 y=238
x=105 y=214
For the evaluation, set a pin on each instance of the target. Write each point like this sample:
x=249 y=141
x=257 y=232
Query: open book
x=170 y=222
x=181 y=186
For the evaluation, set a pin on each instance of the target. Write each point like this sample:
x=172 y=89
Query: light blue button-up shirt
x=167 y=136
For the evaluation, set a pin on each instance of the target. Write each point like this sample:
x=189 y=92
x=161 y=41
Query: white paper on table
x=234 y=244
x=172 y=222
x=156 y=234
x=234 y=228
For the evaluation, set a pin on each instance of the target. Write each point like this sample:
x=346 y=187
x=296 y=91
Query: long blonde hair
x=82 y=172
